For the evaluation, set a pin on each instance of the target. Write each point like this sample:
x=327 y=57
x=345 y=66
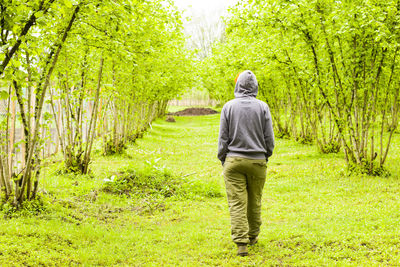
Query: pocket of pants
x=260 y=164
x=233 y=159
x=229 y=160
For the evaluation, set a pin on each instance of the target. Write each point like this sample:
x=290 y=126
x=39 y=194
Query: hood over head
x=246 y=85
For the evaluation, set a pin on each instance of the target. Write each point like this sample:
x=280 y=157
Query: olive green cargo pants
x=244 y=182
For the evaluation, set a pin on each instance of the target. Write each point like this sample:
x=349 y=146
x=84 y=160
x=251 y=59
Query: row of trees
x=328 y=69
x=87 y=69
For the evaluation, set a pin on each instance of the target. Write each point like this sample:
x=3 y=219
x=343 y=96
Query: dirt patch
x=194 y=112
x=170 y=119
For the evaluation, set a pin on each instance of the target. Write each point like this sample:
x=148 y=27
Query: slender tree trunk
x=56 y=116
x=39 y=106
x=11 y=140
x=93 y=120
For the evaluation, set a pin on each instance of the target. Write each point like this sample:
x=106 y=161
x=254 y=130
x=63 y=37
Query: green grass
x=314 y=213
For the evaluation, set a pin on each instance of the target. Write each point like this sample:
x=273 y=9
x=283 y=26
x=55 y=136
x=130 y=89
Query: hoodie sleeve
x=223 y=137
x=269 y=134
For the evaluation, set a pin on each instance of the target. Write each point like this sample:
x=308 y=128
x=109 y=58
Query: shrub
x=32 y=207
x=160 y=183
x=282 y=133
x=330 y=147
x=111 y=148
x=366 y=167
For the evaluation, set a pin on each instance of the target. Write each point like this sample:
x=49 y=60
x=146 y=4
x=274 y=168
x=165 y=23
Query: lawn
x=314 y=212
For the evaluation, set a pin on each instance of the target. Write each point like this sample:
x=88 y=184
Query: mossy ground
x=314 y=213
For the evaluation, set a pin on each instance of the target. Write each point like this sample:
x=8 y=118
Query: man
x=246 y=141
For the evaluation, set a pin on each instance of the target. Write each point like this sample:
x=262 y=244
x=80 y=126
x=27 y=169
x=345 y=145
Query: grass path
x=313 y=214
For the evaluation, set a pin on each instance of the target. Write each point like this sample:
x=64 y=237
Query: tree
x=328 y=70
x=116 y=65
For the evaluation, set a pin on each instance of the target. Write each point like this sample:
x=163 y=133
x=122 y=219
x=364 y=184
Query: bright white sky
x=212 y=9
x=199 y=7
x=203 y=14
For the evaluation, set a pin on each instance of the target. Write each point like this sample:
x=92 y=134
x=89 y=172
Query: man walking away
x=246 y=141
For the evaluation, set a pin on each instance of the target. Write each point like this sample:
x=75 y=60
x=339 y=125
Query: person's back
x=246 y=141
x=246 y=127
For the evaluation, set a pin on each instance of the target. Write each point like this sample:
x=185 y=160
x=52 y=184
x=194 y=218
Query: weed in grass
x=32 y=207
x=159 y=183
x=112 y=148
x=331 y=147
x=369 y=168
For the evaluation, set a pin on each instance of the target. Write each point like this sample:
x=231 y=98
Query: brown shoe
x=242 y=249
x=253 y=240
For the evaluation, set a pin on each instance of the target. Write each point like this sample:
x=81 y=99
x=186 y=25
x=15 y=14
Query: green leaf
x=3 y=95
x=68 y=3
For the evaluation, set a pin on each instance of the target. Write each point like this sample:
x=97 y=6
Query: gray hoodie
x=246 y=124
